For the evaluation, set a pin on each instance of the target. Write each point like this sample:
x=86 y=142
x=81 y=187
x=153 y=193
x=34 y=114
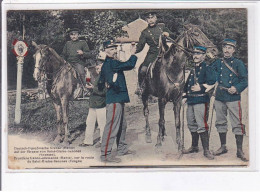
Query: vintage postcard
x=132 y=87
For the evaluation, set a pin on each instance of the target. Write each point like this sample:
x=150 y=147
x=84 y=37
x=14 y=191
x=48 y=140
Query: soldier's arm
x=101 y=80
x=186 y=84
x=124 y=66
x=243 y=76
x=85 y=49
x=215 y=69
x=171 y=34
x=98 y=92
x=210 y=75
x=210 y=79
x=141 y=43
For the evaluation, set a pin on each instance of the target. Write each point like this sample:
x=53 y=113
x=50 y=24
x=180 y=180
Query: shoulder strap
x=229 y=67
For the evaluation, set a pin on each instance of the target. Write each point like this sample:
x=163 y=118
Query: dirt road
x=147 y=155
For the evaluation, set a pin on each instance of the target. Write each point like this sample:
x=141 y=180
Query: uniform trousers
x=81 y=71
x=235 y=114
x=115 y=129
x=94 y=114
x=197 y=117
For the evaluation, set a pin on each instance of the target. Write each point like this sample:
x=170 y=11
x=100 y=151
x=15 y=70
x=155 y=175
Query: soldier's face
x=74 y=36
x=111 y=52
x=228 y=51
x=198 y=57
x=151 y=20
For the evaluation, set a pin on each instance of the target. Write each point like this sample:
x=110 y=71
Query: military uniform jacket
x=226 y=78
x=98 y=97
x=117 y=91
x=70 y=54
x=204 y=75
x=151 y=36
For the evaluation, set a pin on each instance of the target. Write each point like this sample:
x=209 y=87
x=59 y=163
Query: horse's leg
x=58 y=138
x=146 y=115
x=161 y=103
x=177 y=111
x=65 y=107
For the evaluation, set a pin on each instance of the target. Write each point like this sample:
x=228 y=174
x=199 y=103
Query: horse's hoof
x=180 y=154
x=158 y=145
x=148 y=139
x=57 y=140
x=65 y=143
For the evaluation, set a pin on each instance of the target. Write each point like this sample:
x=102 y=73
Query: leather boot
x=205 y=144
x=194 y=145
x=240 y=153
x=223 y=148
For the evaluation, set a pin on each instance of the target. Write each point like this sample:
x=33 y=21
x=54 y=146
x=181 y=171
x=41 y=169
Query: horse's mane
x=60 y=59
x=189 y=38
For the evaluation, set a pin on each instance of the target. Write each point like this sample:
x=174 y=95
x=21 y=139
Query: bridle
x=42 y=63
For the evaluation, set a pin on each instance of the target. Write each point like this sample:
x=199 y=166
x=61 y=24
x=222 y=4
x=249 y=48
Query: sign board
x=20 y=48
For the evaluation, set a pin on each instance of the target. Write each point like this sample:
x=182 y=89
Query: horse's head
x=42 y=56
x=195 y=37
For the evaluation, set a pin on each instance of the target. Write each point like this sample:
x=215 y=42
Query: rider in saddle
x=151 y=36
x=75 y=52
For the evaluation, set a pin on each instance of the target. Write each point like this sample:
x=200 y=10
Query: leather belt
x=195 y=95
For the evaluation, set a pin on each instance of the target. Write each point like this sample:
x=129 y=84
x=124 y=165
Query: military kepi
x=149 y=14
x=71 y=30
x=231 y=42
x=109 y=44
x=199 y=49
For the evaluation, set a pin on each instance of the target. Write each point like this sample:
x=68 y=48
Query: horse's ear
x=35 y=45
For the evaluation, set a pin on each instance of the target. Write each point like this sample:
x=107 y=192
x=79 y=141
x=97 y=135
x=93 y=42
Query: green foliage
x=49 y=27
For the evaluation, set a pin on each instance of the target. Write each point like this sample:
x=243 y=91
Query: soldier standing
x=232 y=80
x=198 y=100
x=97 y=110
x=76 y=52
x=151 y=36
x=112 y=76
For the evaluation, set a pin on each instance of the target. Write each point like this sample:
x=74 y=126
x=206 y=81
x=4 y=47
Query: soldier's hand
x=107 y=85
x=177 y=85
x=80 y=52
x=232 y=90
x=208 y=87
x=195 y=88
x=133 y=49
x=166 y=34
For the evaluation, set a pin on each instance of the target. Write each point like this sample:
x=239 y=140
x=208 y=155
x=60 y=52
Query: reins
x=184 y=49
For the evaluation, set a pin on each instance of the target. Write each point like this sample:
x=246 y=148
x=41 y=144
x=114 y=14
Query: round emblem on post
x=20 y=48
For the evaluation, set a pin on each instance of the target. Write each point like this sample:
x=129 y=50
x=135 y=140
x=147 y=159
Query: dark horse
x=62 y=80
x=165 y=78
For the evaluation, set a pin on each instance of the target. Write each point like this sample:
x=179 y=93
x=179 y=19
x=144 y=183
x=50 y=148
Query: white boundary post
x=20 y=60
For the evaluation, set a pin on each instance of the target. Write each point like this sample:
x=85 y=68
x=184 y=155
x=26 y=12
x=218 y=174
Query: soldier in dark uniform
x=150 y=36
x=112 y=76
x=232 y=80
x=197 y=99
x=76 y=52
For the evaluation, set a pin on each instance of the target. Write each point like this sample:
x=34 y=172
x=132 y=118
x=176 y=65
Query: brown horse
x=165 y=77
x=62 y=80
